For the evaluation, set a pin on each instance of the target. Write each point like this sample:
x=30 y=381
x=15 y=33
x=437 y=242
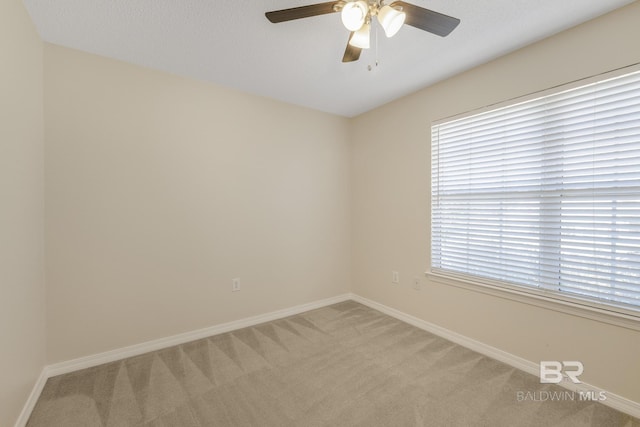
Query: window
x=543 y=195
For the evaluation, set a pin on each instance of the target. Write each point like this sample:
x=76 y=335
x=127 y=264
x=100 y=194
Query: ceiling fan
x=357 y=15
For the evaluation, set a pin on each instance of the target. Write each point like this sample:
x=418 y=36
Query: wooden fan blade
x=303 y=11
x=351 y=53
x=428 y=20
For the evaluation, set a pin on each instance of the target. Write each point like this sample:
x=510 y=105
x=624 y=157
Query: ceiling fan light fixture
x=391 y=20
x=361 y=37
x=357 y=14
x=354 y=14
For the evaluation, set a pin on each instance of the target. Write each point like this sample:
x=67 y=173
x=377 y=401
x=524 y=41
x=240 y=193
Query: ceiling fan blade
x=303 y=11
x=351 y=53
x=428 y=20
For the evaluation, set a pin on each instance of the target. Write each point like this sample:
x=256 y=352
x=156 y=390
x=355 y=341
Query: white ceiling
x=231 y=43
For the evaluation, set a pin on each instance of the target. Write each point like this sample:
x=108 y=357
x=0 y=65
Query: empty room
x=289 y=213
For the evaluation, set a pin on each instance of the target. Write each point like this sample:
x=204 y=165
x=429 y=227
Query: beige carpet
x=343 y=365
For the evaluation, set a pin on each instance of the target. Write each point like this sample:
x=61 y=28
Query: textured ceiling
x=231 y=43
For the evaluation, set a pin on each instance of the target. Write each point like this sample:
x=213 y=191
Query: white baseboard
x=32 y=399
x=617 y=402
x=613 y=400
x=135 y=350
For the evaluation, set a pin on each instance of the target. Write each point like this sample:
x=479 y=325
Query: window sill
x=624 y=320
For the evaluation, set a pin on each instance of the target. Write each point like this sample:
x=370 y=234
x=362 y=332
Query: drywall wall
x=160 y=190
x=22 y=294
x=391 y=207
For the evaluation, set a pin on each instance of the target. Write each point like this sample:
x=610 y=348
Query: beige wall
x=390 y=210
x=22 y=295
x=160 y=190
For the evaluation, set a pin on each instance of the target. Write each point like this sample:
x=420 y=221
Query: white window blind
x=544 y=194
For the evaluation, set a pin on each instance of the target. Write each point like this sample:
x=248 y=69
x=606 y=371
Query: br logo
x=551 y=371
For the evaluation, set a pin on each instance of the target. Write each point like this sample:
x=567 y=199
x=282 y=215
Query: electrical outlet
x=236 y=285
x=416 y=283
x=395 y=277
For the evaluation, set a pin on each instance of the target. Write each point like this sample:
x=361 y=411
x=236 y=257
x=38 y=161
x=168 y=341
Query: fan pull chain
x=369 y=67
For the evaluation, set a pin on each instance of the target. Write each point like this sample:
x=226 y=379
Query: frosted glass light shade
x=354 y=14
x=391 y=20
x=361 y=37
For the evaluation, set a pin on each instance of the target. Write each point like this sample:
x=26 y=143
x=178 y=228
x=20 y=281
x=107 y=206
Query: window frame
x=591 y=308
